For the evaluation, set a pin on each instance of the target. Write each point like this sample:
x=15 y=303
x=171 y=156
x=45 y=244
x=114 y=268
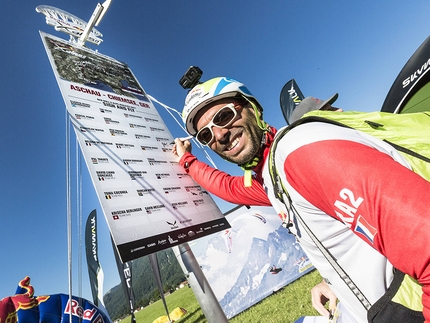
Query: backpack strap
x=401 y=302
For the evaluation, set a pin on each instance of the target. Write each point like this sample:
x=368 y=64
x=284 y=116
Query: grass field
x=286 y=305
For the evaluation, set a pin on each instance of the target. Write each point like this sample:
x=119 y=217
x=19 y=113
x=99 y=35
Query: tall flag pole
x=95 y=19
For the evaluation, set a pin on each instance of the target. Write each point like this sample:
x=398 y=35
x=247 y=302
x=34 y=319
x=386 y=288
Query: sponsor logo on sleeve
x=346 y=208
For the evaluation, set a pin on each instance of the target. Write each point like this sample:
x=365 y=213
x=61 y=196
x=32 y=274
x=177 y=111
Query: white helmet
x=210 y=91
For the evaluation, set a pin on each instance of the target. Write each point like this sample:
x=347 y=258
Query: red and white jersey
x=360 y=198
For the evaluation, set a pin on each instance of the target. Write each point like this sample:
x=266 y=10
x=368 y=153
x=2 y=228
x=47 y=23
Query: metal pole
x=95 y=19
x=201 y=288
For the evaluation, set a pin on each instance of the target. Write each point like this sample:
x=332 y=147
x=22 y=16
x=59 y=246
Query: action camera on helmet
x=191 y=77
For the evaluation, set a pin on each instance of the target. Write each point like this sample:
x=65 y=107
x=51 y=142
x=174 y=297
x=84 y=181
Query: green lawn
x=284 y=306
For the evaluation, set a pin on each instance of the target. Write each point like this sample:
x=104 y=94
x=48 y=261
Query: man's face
x=238 y=142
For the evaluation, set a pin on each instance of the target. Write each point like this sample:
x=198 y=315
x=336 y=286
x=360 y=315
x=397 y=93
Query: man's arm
x=228 y=187
x=383 y=202
x=225 y=186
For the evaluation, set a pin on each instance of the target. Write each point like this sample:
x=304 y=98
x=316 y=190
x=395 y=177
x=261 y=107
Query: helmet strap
x=260 y=122
x=247 y=167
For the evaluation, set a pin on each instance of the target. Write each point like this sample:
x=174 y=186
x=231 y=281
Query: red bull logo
x=57 y=308
x=77 y=310
x=9 y=306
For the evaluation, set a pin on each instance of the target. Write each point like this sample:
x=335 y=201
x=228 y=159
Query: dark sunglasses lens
x=204 y=136
x=223 y=117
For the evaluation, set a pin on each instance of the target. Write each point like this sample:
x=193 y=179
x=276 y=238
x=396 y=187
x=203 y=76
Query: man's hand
x=181 y=147
x=321 y=294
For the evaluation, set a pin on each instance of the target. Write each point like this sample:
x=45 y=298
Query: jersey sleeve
x=230 y=188
x=383 y=202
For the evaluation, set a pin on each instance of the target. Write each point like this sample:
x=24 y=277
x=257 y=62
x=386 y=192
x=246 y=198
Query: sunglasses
x=221 y=119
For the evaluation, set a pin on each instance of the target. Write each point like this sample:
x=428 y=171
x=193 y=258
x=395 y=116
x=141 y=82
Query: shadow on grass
x=194 y=317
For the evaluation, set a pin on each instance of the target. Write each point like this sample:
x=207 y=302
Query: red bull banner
x=150 y=203
x=57 y=308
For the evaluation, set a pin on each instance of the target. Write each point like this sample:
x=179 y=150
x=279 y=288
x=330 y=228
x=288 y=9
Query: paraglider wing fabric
x=410 y=90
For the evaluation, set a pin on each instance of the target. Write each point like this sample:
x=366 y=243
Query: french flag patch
x=363 y=227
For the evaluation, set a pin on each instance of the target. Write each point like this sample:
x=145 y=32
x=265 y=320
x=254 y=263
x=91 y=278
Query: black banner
x=91 y=249
x=290 y=97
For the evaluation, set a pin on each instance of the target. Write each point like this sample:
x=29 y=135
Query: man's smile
x=234 y=144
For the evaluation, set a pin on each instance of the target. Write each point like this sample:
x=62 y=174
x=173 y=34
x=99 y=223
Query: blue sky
x=353 y=48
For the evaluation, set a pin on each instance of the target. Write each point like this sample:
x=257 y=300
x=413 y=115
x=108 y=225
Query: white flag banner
x=149 y=201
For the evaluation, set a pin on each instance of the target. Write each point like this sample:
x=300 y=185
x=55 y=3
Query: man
x=233 y=189
x=354 y=191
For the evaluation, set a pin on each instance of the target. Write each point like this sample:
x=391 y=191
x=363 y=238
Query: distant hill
x=144 y=284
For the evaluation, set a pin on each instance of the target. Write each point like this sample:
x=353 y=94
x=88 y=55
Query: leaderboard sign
x=149 y=201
